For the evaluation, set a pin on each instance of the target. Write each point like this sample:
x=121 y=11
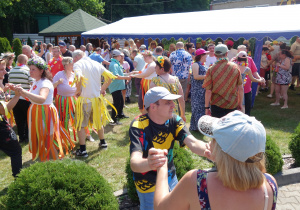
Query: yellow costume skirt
x=100 y=113
x=65 y=106
x=46 y=134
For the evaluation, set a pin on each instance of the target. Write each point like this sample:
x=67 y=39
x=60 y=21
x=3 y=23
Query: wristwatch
x=207 y=107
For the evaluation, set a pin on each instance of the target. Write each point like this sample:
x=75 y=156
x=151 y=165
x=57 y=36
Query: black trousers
x=13 y=149
x=20 y=114
x=248 y=102
x=219 y=112
x=118 y=104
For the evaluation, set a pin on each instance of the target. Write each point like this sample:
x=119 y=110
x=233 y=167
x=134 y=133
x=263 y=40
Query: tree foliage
x=17 y=47
x=117 y=9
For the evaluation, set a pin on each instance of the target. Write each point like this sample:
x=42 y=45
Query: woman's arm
x=181 y=102
x=60 y=81
x=144 y=74
x=195 y=69
x=253 y=79
x=39 y=99
x=287 y=64
x=152 y=84
x=180 y=197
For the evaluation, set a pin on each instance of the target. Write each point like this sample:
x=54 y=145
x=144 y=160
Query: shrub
x=5 y=45
x=65 y=184
x=182 y=161
x=17 y=46
x=294 y=145
x=130 y=183
x=29 y=42
x=274 y=160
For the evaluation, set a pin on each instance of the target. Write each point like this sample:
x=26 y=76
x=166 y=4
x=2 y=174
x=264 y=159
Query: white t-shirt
x=232 y=53
x=92 y=71
x=38 y=85
x=65 y=89
x=140 y=62
x=153 y=64
x=210 y=61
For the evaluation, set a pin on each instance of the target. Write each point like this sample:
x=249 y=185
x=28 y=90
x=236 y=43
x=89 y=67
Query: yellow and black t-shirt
x=145 y=134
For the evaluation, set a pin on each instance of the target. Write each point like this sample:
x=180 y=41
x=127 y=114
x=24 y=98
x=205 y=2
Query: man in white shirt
x=211 y=58
x=90 y=105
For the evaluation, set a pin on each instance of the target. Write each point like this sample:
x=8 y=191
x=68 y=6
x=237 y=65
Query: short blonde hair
x=237 y=175
x=67 y=60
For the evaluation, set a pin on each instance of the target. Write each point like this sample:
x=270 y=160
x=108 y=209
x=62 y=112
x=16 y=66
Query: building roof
x=74 y=24
x=223 y=1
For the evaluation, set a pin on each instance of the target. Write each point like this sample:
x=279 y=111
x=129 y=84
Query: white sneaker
x=270 y=96
x=136 y=96
x=90 y=138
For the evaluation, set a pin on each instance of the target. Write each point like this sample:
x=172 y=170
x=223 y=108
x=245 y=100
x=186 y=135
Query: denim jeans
x=147 y=199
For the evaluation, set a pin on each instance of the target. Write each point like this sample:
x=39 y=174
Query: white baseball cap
x=239 y=135
x=156 y=93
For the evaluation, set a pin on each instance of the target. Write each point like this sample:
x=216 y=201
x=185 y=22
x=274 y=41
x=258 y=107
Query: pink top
x=252 y=66
x=65 y=88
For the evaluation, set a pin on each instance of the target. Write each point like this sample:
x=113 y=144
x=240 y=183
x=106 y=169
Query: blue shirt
x=116 y=68
x=96 y=57
x=181 y=61
x=130 y=63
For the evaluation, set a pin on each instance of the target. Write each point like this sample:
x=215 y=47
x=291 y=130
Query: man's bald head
x=179 y=45
x=22 y=59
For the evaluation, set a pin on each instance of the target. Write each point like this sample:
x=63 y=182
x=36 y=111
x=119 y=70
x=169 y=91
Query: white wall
x=32 y=37
x=242 y=4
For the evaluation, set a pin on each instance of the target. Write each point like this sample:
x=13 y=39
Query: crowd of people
x=60 y=91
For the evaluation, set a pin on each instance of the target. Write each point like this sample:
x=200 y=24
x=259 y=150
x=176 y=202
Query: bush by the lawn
x=274 y=160
x=182 y=161
x=294 y=145
x=65 y=184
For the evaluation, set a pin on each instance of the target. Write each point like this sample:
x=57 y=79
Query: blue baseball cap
x=62 y=44
x=156 y=93
x=238 y=134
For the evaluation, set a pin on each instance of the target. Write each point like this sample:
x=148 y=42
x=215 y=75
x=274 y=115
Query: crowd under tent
x=260 y=23
x=71 y=27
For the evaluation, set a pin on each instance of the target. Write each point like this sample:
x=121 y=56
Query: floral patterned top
x=181 y=61
x=203 y=193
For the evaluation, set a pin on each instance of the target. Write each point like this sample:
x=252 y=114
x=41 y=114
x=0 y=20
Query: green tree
x=118 y=9
x=4 y=45
x=17 y=47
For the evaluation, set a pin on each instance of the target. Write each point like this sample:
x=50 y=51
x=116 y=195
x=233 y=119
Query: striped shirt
x=223 y=79
x=20 y=75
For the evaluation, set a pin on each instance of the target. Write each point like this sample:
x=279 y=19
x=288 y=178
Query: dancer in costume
x=46 y=136
x=91 y=105
x=8 y=142
x=147 y=74
x=164 y=79
x=65 y=99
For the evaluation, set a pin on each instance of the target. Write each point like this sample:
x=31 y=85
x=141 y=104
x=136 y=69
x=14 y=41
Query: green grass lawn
x=111 y=162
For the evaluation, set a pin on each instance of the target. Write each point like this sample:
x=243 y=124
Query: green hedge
x=66 y=184
x=4 y=45
x=17 y=47
x=182 y=161
x=294 y=145
x=274 y=160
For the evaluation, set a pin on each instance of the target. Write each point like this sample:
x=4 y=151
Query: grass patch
x=110 y=163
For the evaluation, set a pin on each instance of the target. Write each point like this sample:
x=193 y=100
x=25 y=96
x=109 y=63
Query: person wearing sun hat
x=159 y=128
x=197 y=92
x=239 y=179
x=223 y=84
x=232 y=52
